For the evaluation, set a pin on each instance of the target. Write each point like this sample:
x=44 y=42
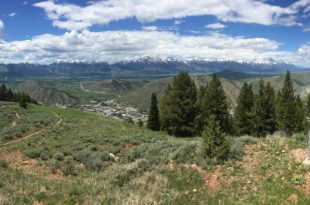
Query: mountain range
x=146 y=66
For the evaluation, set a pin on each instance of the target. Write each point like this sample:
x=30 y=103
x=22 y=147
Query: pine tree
x=23 y=103
x=243 y=113
x=301 y=120
x=215 y=142
x=308 y=106
x=178 y=110
x=286 y=109
x=214 y=102
x=200 y=120
x=264 y=111
x=153 y=117
x=3 y=92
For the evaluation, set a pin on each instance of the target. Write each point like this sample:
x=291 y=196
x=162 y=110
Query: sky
x=45 y=31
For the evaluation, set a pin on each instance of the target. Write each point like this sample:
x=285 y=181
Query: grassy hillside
x=115 y=85
x=46 y=95
x=141 y=97
x=65 y=157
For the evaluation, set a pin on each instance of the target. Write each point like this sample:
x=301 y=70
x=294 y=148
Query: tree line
x=7 y=94
x=187 y=111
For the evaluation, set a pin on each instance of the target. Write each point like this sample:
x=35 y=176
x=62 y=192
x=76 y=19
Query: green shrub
x=82 y=156
x=247 y=139
x=300 y=137
x=236 y=150
x=94 y=163
x=298 y=180
x=45 y=155
x=33 y=153
x=54 y=165
x=184 y=153
x=104 y=156
x=68 y=168
x=3 y=164
x=265 y=165
x=59 y=156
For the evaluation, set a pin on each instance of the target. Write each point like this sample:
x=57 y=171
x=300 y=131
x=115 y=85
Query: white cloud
x=178 y=22
x=215 y=26
x=306 y=28
x=112 y=46
x=72 y=17
x=1 y=28
x=305 y=50
x=12 y=14
x=150 y=28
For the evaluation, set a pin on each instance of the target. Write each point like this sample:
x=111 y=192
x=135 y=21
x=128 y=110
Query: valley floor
x=64 y=156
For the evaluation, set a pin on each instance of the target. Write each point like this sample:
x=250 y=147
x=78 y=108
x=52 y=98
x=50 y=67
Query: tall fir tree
x=153 y=116
x=200 y=120
x=264 y=111
x=178 y=111
x=300 y=117
x=286 y=109
x=243 y=114
x=213 y=102
x=215 y=142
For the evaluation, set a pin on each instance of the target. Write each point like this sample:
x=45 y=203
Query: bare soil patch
x=19 y=161
x=299 y=154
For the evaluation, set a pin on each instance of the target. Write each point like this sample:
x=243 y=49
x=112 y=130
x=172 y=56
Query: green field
x=64 y=157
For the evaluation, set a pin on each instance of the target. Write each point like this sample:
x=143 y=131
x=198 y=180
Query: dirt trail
x=15 y=120
x=53 y=125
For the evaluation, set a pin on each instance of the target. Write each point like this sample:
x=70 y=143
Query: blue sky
x=112 y=30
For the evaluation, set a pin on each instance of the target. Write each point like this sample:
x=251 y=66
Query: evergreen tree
x=308 y=106
x=215 y=142
x=301 y=120
x=213 y=102
x=286 y=109
x=178 y=106
x=200 y=120
x=243 y=113
x=7 y=94
x=264 y=111
x=10 y=95
x=3 y=91
x=153 y=117
x=23 y=103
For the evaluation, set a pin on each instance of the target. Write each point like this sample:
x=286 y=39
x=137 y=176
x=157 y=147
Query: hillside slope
x=141 y=97
x=83 y=158
x=46 y=95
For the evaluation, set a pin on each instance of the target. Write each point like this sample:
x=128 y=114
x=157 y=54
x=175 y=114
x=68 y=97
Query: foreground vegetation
x=83 y=158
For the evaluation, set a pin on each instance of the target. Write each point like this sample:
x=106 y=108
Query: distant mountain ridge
x=146 y=66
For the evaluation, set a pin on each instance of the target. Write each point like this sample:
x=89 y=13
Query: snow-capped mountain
x=146 y=65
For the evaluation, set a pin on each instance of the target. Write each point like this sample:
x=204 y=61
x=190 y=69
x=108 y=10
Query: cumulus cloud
x=215 y=26
x=113 y=46
x=74 y=17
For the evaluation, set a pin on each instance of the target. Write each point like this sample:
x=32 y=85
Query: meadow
x=76 y=157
